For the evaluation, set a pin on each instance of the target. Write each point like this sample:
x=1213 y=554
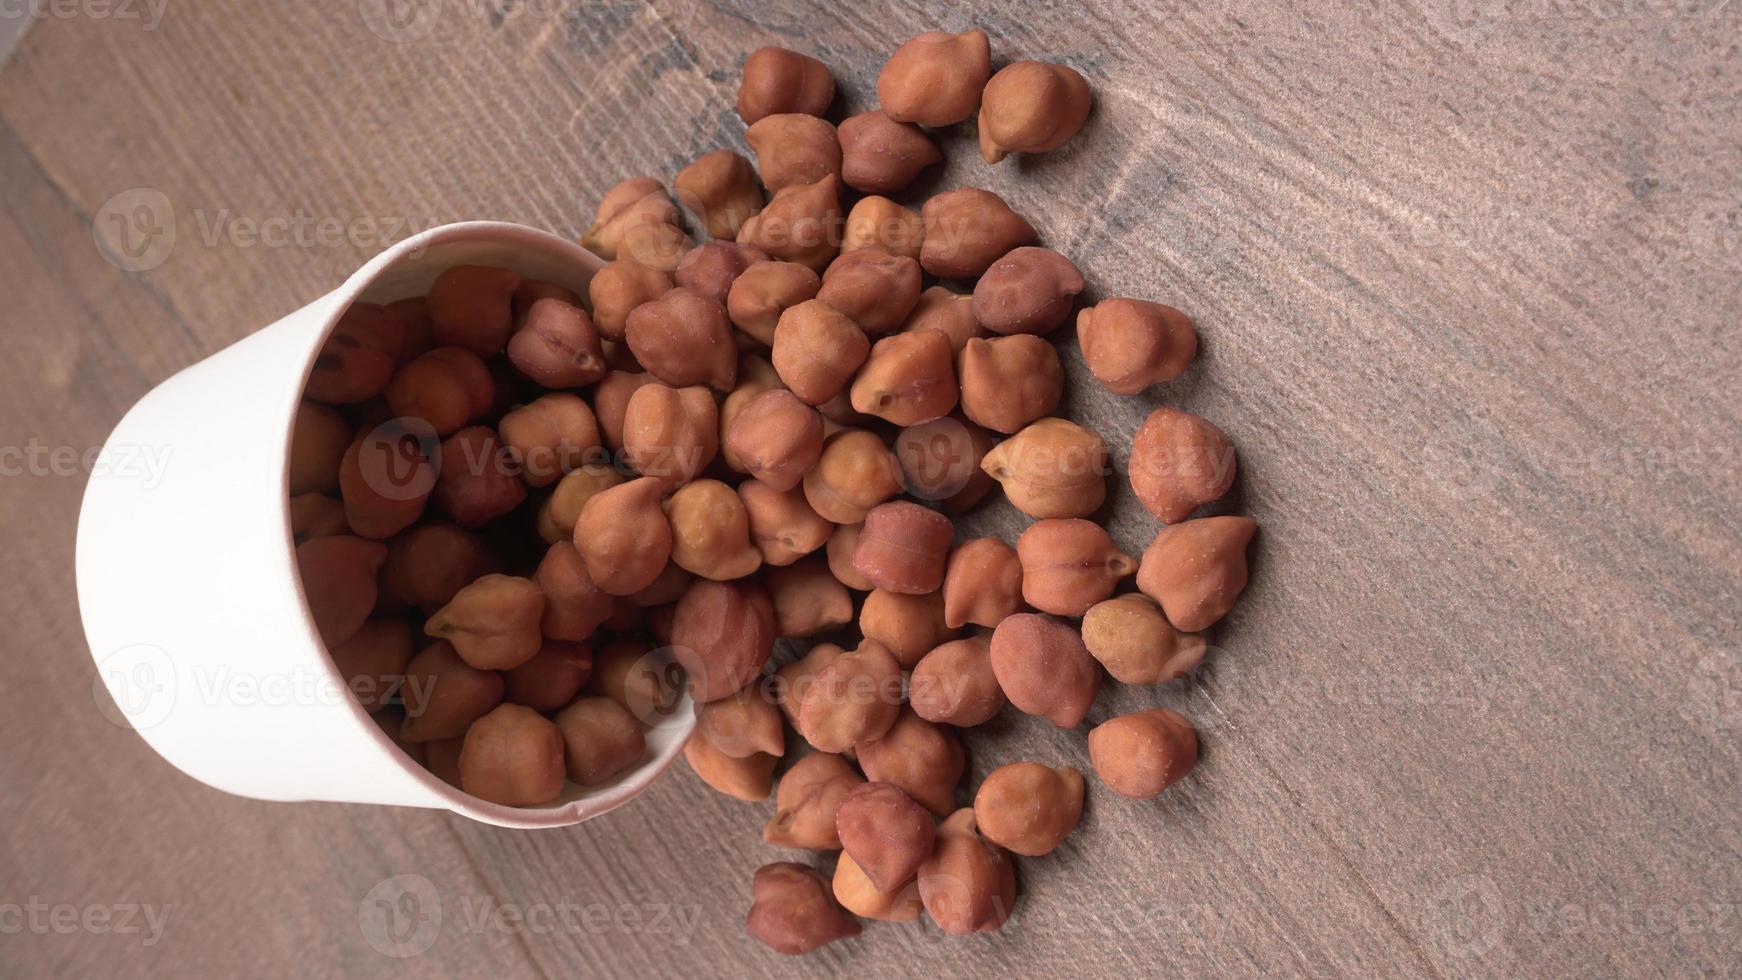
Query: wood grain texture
x=1467 y=276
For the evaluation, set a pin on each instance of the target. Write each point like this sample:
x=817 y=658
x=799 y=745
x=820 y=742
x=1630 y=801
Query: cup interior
x=409 y=269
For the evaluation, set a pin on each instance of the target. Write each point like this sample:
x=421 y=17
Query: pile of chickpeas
x=580 y=504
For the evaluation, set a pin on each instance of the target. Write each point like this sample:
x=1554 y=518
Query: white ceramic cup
x=187 y=577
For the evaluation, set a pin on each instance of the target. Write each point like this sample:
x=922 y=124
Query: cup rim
x=455 y=799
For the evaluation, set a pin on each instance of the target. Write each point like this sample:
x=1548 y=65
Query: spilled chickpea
x=529 y=515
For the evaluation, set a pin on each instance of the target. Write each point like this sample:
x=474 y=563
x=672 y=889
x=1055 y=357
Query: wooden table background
x=1467 y=276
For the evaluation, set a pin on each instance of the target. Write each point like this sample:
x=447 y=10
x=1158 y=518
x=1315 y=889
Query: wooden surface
x=1467 y=276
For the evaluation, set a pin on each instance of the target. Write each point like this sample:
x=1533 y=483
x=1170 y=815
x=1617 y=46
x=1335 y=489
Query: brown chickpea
x=935 y=79
x=444 y=694
x=750 y=779
x=793 y=679
x=1178 y=463
x=855 y=473
x=968 y=229
x=1044 y=668
x=817 y=350
x=637 y=220
x=954 y=684
x=940 y=462
x=743 y=724
x=1135 y=642
x=1197 y=570
x=530 y=291
x=854 y=698
x=802 y=223
x=601 y=740
x=925 y=760
x=552 y=678
x=671 y=434
x=755 y=376
x=711 y=269
x=667 y=589
x=903 y=547
x=557 y=346
x=385 y=481
x=513 y=756
x=778 y=80
x=574 y=605
x=857 y=895
x=358 y=357
x=782 y=524
x=721 y=188
x=1028 y=290
x=413 y=314
x=442 y=757
x=982 y=584
x=316 y=515
x=874 y=287
x=611 y=403
x=373 y=660
x=1031 y=107
x=722 y=635
x=968 y=885
x=882 y=156
x=318 y=440
x=880 y=222
x=777 y=439
x=793 y=148
x=764 y=292
x=1052 y=468
x=493 y=623
x=910 y=625
x=807 y=599
x=646 y=683
x=1069 y=565
x=559 y=511
x=909 y=378
x=338 y=583
x=1130 y=345
x=429 y=563
x=551 y=436
x=842 y=546
x=447 y=387
x=620 y=287
x=710 y=534
x=885 y=833
x=1139 y=755
x=478 y=481
x=472 y=306
x=1028 y=808
x=947 y=312
x=1009 y=382
x=683 y=338
x=807 y=800
x=794 y=910
x=624 y=536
